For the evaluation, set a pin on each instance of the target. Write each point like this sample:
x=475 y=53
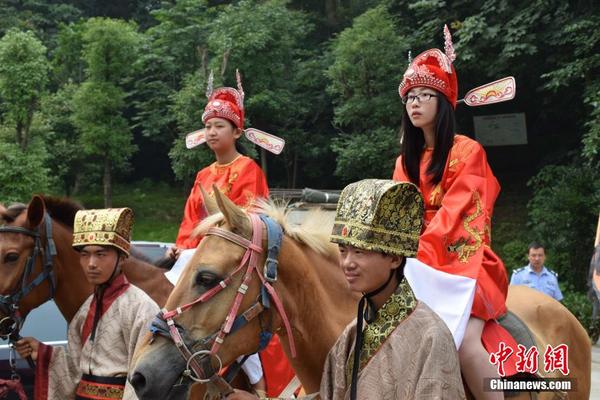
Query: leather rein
x=196 y=354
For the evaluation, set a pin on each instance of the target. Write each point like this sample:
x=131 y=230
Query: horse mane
x=9 y=214
x=312 y=232
x=62 y=209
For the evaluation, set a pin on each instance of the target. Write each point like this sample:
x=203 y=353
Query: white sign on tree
x=501 y=129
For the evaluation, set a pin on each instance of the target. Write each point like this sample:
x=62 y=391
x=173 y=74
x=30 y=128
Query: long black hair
x=413 y=142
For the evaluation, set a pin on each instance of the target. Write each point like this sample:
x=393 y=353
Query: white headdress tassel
x=448 y=47
x=209 y=85
x=238 y=77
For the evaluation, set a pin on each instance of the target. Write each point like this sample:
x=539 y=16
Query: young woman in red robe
x=236 y=175
x=459 y=190
x=242 y=180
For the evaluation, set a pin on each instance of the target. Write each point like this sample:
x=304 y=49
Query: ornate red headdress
x=228 y=103
x=433 y=68
x=225 y=102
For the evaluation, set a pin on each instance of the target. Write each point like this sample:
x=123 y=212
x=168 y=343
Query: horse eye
x=11 y=257
x=206 y=279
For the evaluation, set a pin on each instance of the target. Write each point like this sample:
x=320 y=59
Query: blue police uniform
x=546 y=282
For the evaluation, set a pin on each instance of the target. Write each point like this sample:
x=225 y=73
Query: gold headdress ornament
x=103 y=227
x=379 y=215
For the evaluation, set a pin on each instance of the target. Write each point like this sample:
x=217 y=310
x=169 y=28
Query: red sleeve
x=249 y=184
x=399 y=174
x=192 y=214
x=41 y=372
x=455 y=238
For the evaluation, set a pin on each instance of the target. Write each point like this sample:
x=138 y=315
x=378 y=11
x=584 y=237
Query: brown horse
x=71 y=286
x=316 y=299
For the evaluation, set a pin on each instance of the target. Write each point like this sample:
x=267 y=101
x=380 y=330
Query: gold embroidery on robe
x=467 y=247
x=395 y=310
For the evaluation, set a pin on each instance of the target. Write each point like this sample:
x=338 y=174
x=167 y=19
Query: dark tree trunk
x=295 y=170
x=331 y=8
x=107 y=183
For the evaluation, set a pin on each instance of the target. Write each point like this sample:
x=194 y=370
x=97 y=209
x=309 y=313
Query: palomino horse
x=316 y=299
x=19 y=227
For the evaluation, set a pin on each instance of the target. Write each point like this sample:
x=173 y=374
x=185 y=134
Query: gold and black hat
x=103 y=227
x=380 y=215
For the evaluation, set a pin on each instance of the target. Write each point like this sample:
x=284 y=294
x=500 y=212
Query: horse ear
x=235 y=216
x=209 y=202
x=36 y=211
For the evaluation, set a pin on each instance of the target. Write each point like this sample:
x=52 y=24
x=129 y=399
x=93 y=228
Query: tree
x=364 y=75
x=563 y=213
x=67 y=62
x=22 y=172
x=175 y=48
x=272 y=55
x=23 y=76
x=109 y=50
x=66 y=160
x=40 y=16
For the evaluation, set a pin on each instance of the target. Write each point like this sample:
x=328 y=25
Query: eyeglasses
x=420 y=98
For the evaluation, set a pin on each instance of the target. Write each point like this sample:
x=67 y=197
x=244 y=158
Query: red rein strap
x=253 y=248
x=12 y=385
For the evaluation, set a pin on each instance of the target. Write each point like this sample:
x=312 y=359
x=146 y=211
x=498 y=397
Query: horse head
x=30 y=269
x=215 y=275
x=20 y=228
x=220 y=288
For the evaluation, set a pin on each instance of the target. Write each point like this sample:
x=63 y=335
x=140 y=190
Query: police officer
x=536 y=275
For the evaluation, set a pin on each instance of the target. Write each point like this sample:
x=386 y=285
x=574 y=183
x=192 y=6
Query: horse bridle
x=9 y=304
x=201 y=370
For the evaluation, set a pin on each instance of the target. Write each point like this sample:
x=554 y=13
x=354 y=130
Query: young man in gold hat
x=106 y=329
x=397 y=348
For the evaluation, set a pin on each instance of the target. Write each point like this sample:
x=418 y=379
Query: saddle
x=511 y=331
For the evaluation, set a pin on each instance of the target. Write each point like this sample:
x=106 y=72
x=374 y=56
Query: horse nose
x=138 y=381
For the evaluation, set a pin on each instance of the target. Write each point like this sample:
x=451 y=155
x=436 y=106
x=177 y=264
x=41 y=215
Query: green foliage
x=174 y=48
x=109 y=49
x=67 y=64
x=104 y=132
x=23 y=172
x=579 y=305
x=563 y=213
x=514 y=255
x=41 y=16
x=66 y=160
x=364 y=73
x=580 y=70
x=272 y=56
x=157 y=207
x=188 y=113
x=366 y=155
x=23 y=76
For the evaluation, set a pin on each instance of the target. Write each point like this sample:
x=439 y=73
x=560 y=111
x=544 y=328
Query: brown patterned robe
x=127 y=312
x=408 y=353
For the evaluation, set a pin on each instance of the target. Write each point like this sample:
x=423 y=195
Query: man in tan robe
x=104 y=332
x=406 y=351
